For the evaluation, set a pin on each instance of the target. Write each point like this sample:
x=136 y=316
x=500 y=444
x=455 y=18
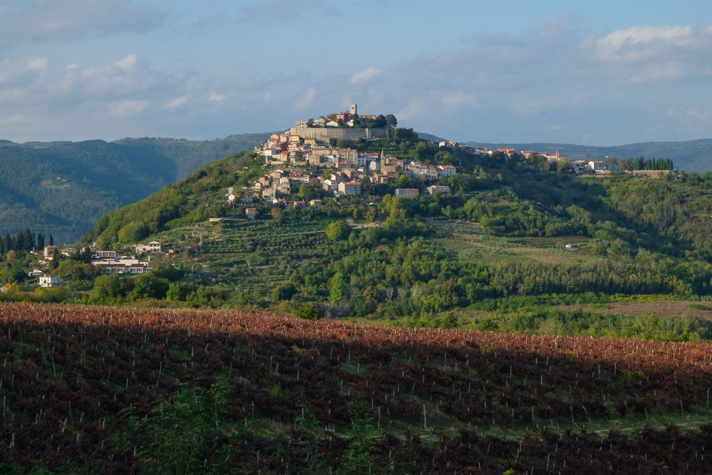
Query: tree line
x=24 y=241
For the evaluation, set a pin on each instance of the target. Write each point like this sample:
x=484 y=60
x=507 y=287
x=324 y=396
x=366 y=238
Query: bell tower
x=353 y=109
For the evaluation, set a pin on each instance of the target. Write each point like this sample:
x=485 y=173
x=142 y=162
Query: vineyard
x=119 y=390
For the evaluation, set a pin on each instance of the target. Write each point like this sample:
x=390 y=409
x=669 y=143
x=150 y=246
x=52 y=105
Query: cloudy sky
x=598 y=73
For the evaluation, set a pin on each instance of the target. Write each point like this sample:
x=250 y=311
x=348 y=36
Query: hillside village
x=332 y=163
x=308 y=155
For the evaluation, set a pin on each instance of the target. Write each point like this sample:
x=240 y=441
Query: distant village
x=110 y=262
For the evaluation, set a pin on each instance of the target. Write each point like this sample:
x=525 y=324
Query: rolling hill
x=691 y=156
x=64 y=187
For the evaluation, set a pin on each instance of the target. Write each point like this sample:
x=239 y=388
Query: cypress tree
x=51 y=240
x=7 y=244
x=29 y=241
x=19 y=242
x=40 y=241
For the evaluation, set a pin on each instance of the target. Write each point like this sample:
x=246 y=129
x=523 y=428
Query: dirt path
x=660 y=309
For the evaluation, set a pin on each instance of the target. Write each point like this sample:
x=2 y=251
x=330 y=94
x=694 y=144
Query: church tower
x=353 y=109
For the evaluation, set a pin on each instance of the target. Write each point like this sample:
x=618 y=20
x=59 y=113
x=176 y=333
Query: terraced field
x=252 y=256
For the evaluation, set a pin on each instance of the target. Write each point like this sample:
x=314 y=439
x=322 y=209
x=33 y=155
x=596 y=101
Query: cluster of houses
x=345 y=181
x=597 y=166
x=298 y=151
x=110 y=262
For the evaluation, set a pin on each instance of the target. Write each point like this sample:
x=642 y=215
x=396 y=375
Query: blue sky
x=598 y=73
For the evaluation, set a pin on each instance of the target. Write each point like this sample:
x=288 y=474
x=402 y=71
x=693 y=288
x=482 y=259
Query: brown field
x=660 y=309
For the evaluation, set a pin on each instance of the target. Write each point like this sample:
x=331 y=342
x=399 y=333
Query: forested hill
x=691 y=156
x=64 y=187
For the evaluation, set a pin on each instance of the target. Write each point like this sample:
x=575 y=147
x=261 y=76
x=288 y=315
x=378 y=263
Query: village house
x=251 y=213
x=349 y=188
x=125 y=268
x=315 y=203
x=48 y=250
x=446 y=170
x=331 y=185
x=48 y=281
x=97 y=254
x=153 y=246
x=596 y=166
x=438 y=189
x=407 y=192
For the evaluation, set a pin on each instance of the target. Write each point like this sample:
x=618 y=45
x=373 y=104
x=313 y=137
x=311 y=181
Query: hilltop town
x=309 y=154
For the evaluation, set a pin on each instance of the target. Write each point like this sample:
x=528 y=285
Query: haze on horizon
x=603 y=73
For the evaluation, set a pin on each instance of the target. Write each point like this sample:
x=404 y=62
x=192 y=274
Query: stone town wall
x=338 y=133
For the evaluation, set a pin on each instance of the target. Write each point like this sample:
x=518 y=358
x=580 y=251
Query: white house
x=48 y=281
x=446 y=170
x=596 y=166
x=331 y=185
x=438 y=189
x=153 y=246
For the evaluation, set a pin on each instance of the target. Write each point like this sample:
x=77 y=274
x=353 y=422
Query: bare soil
x=660 y=309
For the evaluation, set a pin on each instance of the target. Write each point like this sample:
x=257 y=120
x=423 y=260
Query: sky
x=593 y=73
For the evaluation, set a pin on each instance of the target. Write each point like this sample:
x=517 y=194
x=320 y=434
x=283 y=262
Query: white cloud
x=638 y=43
x=217 y=97
x=127 y=108
x=366 y=75
x=48 y=19
x=415 y=109
x=305 y=101
x=178 y=102
x=10 y=120
x=651 y=53
x=37 y=64
x=459 y=99
x=128 y=63
x=698 y=114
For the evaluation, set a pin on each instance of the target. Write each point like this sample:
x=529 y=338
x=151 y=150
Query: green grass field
x=489 y=250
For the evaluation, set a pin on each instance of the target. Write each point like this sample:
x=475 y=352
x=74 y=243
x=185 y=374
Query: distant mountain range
x=64 y=187
x=691 y=156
